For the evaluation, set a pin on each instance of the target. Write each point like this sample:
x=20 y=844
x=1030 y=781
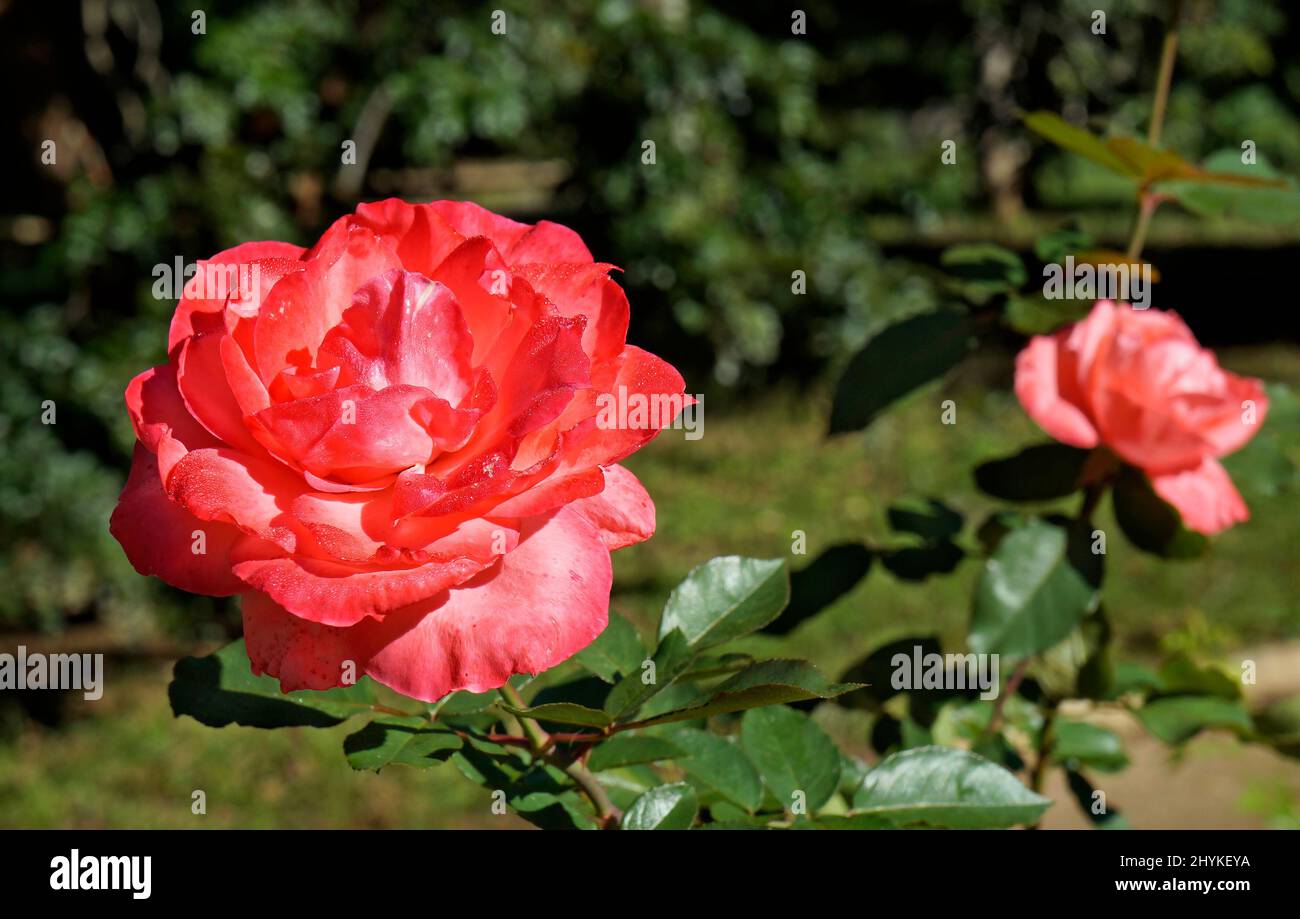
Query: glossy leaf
x=793 y=755
x=220 y=689
x=716 y=765
x=564 y=713
x=630 y=750
x=616 y=652
x=385 y=742
x=1038 y=585
x=668 y=807
x=774 y=682
x=724 y=599
x=944 y=787
x=671 y=659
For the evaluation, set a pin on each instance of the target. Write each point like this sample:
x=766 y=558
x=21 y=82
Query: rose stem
x=1147 y=202
x=541 y=743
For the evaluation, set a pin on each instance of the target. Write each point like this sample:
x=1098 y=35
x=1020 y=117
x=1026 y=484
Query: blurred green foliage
x=772 y=152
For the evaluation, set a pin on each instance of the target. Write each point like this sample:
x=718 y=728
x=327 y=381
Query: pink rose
x=388 y=445
x=1138 y=382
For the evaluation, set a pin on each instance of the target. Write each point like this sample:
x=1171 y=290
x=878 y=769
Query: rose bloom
x=388 y=447
x=1138 y=382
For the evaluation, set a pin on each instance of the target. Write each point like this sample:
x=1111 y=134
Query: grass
x=758 y=474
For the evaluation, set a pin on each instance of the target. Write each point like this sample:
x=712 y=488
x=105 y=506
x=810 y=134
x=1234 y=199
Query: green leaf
x=981 y=270
x=1177 y=719
x=916 y=563
x=1079 y=665
x=628 y=783
x=715 y=765
x=1131 y=677
x=929 y=519
x=616 y=652
x=671 y=659
x=815 y=587
x=564 y=713
x=628 y=750
x=1278 y=725
x=1277 y=204
x=943 y=787
x=1065 y=135
x=1057 y=244
x=1035 y=314
x=385 y=742
x=1039 y=473
x=668 y=807
x=792 y=754
x=903 y=357
x=1182 y=676
x=1151 y=523
x=1077 y=744
x=724 y=599
x=1038 y=585
x=548 y=810
x=459 y=704
x=220 y=689
x=774 y=682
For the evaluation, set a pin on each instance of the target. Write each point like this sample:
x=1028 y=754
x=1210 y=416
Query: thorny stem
x=540 y=742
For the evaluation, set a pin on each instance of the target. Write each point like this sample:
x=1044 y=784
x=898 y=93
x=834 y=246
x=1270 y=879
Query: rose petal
x=183 y=319
x=1205 y=497
x=403 y=328
x=544 y=602
x=301 y=308
x=623 y=512
x=161 y=419
x=160 y=538
x=1039 y=389
x=340 y=594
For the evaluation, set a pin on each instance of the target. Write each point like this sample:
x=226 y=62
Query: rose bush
x=1138 y=382
x=387 y=445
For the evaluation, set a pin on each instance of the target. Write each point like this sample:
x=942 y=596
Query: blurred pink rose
x=1138 y=382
